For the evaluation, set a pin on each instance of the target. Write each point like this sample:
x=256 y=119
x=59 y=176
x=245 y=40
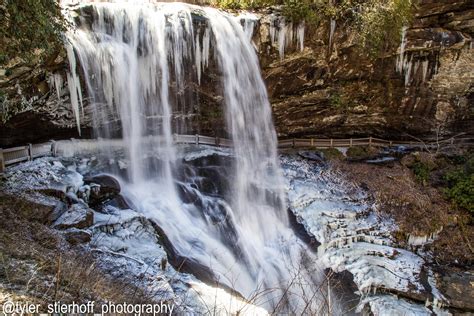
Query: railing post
x=312 y=142
x=332 y=142
x=217 y=141
x=370 y=141
x=197 y=139
x=2 y=161
x=350 y=142
x=30 y=152
x=391 y=143
x=293 y=143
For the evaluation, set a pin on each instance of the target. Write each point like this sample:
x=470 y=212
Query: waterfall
x=136 y=59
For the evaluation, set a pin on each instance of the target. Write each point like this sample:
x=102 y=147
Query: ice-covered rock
x=390 y=305
x=77 y=216
x=354 y=237
x=124 y=241
x=102 y=188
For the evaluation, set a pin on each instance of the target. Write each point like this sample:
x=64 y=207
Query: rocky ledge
x=355 y=237
x=324 y=85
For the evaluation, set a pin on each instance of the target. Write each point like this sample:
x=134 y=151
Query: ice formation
x=282 y=34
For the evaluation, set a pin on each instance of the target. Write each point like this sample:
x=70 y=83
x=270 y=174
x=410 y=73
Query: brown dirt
x=417 y=209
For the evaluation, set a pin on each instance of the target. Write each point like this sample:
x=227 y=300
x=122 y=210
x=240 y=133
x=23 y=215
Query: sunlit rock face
x=333 y=89
x=327 y=91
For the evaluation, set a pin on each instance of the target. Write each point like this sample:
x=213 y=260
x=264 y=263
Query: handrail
x=18 y=154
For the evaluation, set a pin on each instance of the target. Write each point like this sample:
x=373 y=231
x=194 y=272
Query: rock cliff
x=330 y=88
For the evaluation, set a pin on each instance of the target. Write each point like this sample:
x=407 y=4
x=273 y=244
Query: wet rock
x=345 y=288
x=77 y=216
x=457 y=286
x=188 y=265
x=120 y=202
x=315 y=156
x=102 y=188
x=78 y=236
x=301 y=231
x=186 y=194
x=209 y=174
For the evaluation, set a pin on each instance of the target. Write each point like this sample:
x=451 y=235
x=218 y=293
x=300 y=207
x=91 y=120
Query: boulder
x=457 y=286
x=45 y=212
x=102 y=188
x=77 y=216
x=315 y=156
x=120 y=202
x=77 y=236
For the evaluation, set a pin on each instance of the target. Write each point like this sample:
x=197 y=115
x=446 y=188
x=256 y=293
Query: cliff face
x=336 y=90
x=330 y=88
x=32 y=108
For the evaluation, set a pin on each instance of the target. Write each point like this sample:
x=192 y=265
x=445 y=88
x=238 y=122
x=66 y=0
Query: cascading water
x=135 y=58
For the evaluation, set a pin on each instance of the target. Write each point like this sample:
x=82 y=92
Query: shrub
x=361 y=153
x=332 y=154
x=380 y=23
x=301 y=10
x=243 y=4
x=30 y=28
x=461 y=186
x=422 y=172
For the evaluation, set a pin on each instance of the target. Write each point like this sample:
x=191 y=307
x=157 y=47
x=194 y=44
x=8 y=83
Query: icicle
x=206 y=42
x=408 y=67
x=401 y=56
x=281 y=39
x=56 y=82
x=198 y=58
x=331 y=33
x=416 y=68
x=248 y=22
x=273 y=30
x=289 y=35
x=301 y=29
x=425 y=66
x=74 y=85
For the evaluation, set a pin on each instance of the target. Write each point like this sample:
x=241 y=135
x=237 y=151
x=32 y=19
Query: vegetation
x=461 y=186
x=422 y=172
x=378 y=22
x=332 y=154
x=361 y=153
x=29 y=28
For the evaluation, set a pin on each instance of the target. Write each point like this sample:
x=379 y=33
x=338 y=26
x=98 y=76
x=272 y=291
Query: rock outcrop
x=331 y=88
x=336 y=90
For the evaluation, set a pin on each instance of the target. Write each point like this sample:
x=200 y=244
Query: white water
x=136 y=59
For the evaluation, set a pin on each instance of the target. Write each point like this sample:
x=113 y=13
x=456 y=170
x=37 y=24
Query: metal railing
x=29 y=152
